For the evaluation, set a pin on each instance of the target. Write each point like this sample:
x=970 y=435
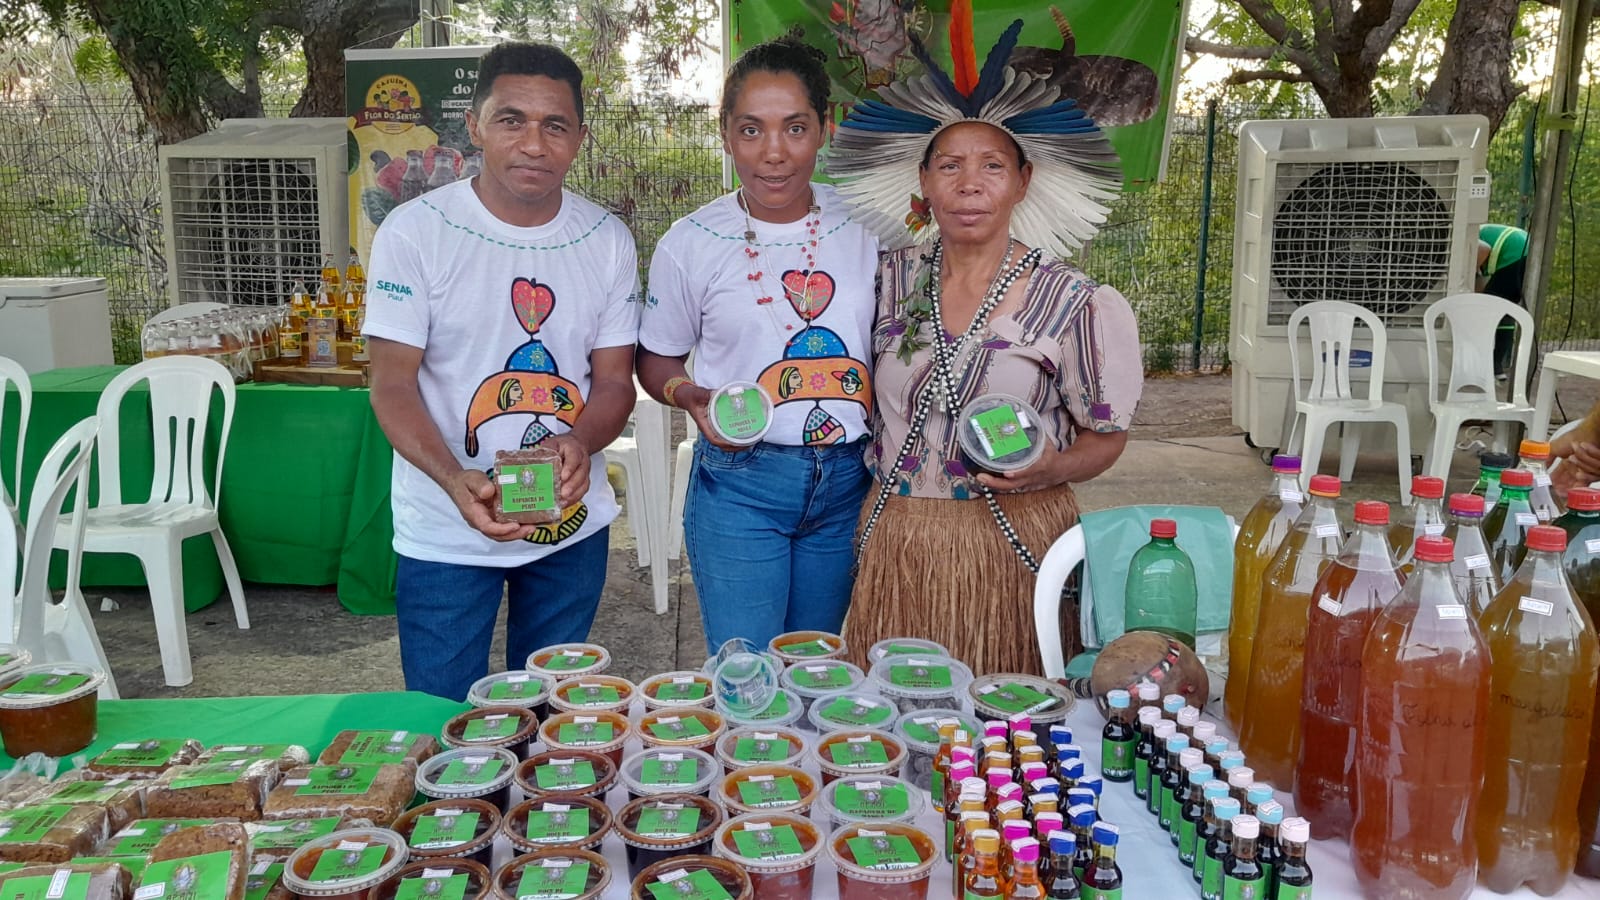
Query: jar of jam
x=664 y=826
x=447 y=829
x=600 y=732
x=786 y=710
x=469 y=772
x=593 y=693
x=344 y=865
x=779 y=852
x=883 y=860
x=513 y=728
x=852 y=709
x=921 y=682
x=669 y=770
x=557 y=874
x=904 y=646
x=868 y=799
x=51 y=709
x=677 y=689
x=858 y=751
x=547 y=823
x=529 y=690
x=559 y=661
x=740 y=748
x=566 y=773
x=768 y=789
x=423 y=878
x=819 y=678
x=796 y=647
x=704 y=876
x=694 y=728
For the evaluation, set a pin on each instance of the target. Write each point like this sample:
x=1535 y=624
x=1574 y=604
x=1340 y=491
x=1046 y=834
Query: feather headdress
x=878 y=148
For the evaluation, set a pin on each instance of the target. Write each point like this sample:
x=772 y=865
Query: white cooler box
x=55 y=323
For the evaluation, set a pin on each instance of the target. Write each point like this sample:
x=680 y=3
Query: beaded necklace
x=801 y=301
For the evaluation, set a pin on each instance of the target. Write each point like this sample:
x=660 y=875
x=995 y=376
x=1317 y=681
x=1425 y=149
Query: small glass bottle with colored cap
x=1117 y=739
x=1082 y=818
x=1188 y=718
x=1147 y=694
x=1192 y=813
x=1269 y=851
x=1144 y=749
x=1293 y=874
x=1239 y=781
x=1209 y=825
x=1103 y=878
x=1172 y=781
x=982 y=880
x=1241 y=869
x=1025 y=880
x=1063 y=883
x=1257 y=794
x=1082 y=796
x=1218 y=848
x=1170 y=705
x=1164 y=731
x=1188 y=759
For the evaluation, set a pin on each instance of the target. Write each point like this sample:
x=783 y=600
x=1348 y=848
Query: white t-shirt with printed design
x=506 y=317
x=702 y=298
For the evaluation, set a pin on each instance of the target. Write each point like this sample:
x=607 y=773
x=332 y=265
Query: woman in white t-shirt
x=771 y=284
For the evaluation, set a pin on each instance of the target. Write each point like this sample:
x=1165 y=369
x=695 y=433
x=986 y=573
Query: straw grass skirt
x=942 y=570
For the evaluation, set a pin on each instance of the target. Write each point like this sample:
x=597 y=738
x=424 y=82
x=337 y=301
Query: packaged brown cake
x=78 y=881
x=225 y=789
x=139 y=837
x=283 y=837
x=376 y=747
x=51 y=833
x=207 y=861
x=142 y=759
x=122 y=798
x=378 y=793
x=265 y=881
x=287 y=755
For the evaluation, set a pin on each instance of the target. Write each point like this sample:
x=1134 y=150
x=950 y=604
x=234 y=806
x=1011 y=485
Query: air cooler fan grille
x=1371 y=233
x=244 y=229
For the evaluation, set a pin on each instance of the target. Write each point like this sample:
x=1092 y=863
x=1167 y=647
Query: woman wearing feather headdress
x=985 y=181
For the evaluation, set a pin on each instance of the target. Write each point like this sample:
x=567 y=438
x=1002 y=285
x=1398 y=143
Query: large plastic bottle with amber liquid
x=1424 y=707
x=1271 y=732
x=1424 y=519
x=1349 y=596
x=1471 y=570
x=1541 y=707
x=1581 y=562
x=1260 y=534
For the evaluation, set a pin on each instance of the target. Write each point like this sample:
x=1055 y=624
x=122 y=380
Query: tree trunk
x=174 y=114
x=1474 y=70
x=1346 y=97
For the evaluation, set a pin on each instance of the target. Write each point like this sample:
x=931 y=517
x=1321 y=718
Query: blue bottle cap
x=1226 y=807
x=1068 y=750
x=1063 y=843
x=1045 y=786
x=1178 y=742
x=1216 y=747
x=1083 y=815
x=1200 y=775
x=1060 y=734
x=1106 y=834
x=1093 y=783
x=1215 y=789
x=1073 y=769
x=1233 y=759
x=1270 y=812
x=1117 y=699
x=1259 y=793
x=1173 y=702
x=1079 y=795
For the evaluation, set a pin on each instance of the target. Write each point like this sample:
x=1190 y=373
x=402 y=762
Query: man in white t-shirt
x=502 y=312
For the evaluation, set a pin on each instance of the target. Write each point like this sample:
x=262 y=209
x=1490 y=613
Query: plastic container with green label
x=852 y=709
x=785 y=710
x=759 y=745
x=692 y=728
x=513 y=728
x=921 y=682
x=1001 y=696
x=51 y=709
x=566 y=773
x=919 y=729
x=550 y=874
x=561 y=661
x=1000 y=433
x=599 y=732
x=669 y=770
x=896 y=860
x=768 y=788
x=777 y=850
x=904 y=646
x=869 y=799
x=668 y=825
x=469 y=772
x=451 y=829
x=677 y=689
x=12 y=658
x=701 y=877
x=810 y=680
x=740 y=412
x=357 y=860
x=593 y=693
x=546 y=823
x=529 y=690
x=807 y=646
x=858 y=751
x=413 y=879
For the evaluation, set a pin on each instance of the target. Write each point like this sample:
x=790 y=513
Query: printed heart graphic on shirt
x=532 y=302
x=808 y=294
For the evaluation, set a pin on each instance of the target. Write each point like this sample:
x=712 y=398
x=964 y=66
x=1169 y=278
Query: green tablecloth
x=310 y=721
x=305 y=489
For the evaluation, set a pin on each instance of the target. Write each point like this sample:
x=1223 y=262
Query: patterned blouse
x=1071 y=349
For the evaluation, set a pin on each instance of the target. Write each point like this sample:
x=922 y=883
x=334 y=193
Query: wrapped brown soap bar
x=530 y=486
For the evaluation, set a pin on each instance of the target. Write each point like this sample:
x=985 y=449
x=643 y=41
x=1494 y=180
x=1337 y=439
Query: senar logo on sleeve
x=395 y=291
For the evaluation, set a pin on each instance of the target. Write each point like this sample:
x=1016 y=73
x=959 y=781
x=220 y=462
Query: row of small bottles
x=1225 y=825
x=1002 y=797
x=313 y=323
x=1435 y=701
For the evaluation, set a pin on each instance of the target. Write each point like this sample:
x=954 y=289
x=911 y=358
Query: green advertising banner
x=408 y=128
x=1118 y=58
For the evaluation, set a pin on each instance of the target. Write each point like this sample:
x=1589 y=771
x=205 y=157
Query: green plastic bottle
x=1506 y=526
x=1161 y=594
x=1490 y=465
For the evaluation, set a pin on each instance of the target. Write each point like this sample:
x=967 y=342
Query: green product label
x=140 y=753
x=668 y=821
x=762 y=792
x=89 y=792
x=556 y=824
x=1090 y=893
x=449 y=887
x=857 y=711
x=491 y=728
x=203 y=877
x=1000 y=432
x=351 y=859
x=823 y=677
x=1016 y=698
x=369 y=747
x=922 y=729
x=134 y=864
x=528 y=487
x=936 y=790
x=553 y=879
x=335 y=781
x=740 y=415
x=1186 y=841
x=681 y=691
x=662 y=772
x=816 y=647
x=470 y=770
x=1211 y=879
x=920 y=675
x=777 y=709
x=682 y=885
x=872 y=800
x=570 y=661
x=262 y=879
x=564 y=775
x=769 y=750
x=977 y=895
x=1141 y=777
x=858 y=754
x=29 y=824
x=211 y=774
x=884 y=851
x=585 y=734
x=676 y=729
x=756 y=841
x=908 y=650
x=516 y=687
x=290 y=834
x=1116 y=759
x=1169 y=810
x=64 y=884
x=247 y=752
x=1293 y=892
x=45 y=684
x=444 y=829
x=140 y=837
x=1235 y=889
x=593 y=695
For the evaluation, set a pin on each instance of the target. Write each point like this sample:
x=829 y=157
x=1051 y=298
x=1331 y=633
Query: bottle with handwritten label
x=1470 y=570
x=1506 y=526
x=1349 y=596
x=1542 y=694
x=1535 y=457
x=1424 y=519
x=1260 y=533
x=1581 y=522
x=1271 y=733
x=1424 y=706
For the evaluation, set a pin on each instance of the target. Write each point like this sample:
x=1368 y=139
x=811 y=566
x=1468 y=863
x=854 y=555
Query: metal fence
x=79 y=195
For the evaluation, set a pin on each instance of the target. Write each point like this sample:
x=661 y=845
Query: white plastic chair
x=1063 y=556
x=1329 y=397
x=11 y=372
x=682 y=465
x=1471 y=393
x=55 y=631
x=642 y=457
x=181 y=504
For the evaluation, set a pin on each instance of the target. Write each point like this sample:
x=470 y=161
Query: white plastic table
x=1555 y=364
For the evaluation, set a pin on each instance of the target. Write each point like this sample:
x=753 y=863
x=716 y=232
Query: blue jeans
x=446 y=612
x=771 y=537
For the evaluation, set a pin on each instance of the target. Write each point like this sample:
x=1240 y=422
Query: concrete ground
x=1185 y=449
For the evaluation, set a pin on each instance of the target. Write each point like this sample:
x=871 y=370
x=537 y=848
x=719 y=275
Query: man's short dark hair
x=523 y=58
